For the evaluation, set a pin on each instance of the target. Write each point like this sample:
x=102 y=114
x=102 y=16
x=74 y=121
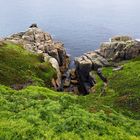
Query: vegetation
x=110 y=112
x=121 y=93
x=39 y=113
x=18 y=66
x=126 y=84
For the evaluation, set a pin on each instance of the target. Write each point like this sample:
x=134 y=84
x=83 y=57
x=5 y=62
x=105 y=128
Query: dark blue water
x=81 y=24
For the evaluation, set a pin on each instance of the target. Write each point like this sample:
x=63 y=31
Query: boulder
x=122 y=49
x=55 y=65
x=97 y=60
x=84 y=65
x=66 y=83
x=110 y=50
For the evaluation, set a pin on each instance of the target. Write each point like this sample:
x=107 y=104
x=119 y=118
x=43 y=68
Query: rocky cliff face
x=78 y=80
x=117 y=49
x=84 y=65
x=37 y=41
x=120 y=48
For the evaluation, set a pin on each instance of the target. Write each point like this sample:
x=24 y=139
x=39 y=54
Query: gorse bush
x=40 y=113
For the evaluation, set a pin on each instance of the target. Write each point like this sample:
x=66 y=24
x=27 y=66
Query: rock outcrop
x=120 y=48
x=37 y=41
x=79 y=79
x=84 y=65
x=117 y=49
x=120 y=38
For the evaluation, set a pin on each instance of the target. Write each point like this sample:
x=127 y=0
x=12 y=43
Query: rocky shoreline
x=79 y=79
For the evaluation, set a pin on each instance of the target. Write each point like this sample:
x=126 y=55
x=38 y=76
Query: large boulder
x=97 y=60
x=84 y=65
x=56 y=82
x=120 y=48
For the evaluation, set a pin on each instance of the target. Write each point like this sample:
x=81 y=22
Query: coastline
x=77 y=79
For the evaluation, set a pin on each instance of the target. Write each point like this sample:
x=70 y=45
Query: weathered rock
x=37 y=41
x=109 y=49
x=97 y=60
x=121 y=38
x=118 y=68
x=66 y=89
x=117 y=49
x=84 y=65
x=78 y=80
x=124 y=49
x=54 y=84
x=73 y=73
x=66 y=83
x=55 y=65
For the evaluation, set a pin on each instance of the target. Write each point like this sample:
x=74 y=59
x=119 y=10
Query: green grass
x=18 y=66
x=122 y=92
x=40 y=113
x=110 y=112
x=126 y=84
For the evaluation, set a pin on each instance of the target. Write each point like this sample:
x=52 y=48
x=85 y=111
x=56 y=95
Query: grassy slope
x=18 y=66
x=121 y=93
x=39 y=113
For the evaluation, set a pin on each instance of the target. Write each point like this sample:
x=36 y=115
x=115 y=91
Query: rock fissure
x=78 y=79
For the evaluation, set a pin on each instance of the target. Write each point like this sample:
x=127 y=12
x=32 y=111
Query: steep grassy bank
x=19 y=67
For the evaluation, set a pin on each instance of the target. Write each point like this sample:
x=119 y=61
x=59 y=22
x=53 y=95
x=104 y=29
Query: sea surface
x=81 y=24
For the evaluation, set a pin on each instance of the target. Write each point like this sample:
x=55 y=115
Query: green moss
x=18 y=66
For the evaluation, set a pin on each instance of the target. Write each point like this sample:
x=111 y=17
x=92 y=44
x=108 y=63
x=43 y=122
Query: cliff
x=36 y=41
x=118 y=49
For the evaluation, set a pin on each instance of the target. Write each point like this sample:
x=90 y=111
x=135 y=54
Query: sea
x=80 y=24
